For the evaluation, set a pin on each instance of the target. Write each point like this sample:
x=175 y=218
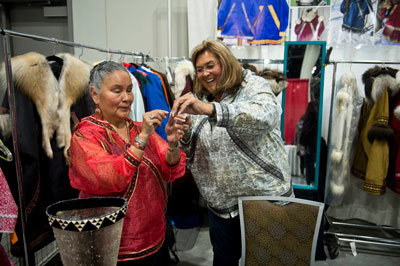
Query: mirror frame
x=320 y=110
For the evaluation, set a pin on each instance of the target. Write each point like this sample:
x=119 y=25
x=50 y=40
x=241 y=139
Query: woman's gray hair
x=100 y=71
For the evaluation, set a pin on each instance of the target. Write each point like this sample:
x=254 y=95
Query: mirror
x=302 y=110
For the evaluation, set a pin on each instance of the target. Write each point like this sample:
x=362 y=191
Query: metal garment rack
x=11 y=98
x=349 y=237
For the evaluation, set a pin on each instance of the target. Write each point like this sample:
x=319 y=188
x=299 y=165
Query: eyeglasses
x=209 y=67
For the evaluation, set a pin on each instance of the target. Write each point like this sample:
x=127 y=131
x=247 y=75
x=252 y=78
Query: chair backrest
x=279 y=234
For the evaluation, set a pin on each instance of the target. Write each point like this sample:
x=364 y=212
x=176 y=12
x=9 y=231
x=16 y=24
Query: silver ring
x=151 y=116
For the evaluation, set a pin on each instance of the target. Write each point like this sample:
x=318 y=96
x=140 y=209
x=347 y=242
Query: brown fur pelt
x=380 y=132
x=276 y=78
x=32 y=75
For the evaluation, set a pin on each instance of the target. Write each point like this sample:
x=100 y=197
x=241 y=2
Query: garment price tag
x=353 y=248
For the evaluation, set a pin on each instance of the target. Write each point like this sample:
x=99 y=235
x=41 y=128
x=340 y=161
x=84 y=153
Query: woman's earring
x=97 y=110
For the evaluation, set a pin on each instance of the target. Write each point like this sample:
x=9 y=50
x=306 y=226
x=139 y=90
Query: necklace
x=127 y=137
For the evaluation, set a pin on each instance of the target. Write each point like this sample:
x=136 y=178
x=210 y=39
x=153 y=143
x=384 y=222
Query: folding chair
x=279 y=234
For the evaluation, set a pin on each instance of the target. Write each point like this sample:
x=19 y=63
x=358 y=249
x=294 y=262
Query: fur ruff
x=32 y=76
x=374 y=86
x=183 y=69
x=382 y=82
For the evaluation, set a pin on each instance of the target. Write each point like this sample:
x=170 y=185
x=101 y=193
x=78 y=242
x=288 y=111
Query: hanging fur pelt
x=73 y=82
x=277 y=80
x=32 y=75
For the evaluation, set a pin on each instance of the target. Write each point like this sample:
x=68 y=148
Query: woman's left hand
x=176 y=127
x=191 y=105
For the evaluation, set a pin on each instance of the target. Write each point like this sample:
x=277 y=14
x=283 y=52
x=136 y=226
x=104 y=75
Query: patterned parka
x=222 y=170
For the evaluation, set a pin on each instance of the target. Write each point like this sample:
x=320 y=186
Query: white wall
x=130 y=25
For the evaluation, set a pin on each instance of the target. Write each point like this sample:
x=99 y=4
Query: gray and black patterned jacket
x=221 y=169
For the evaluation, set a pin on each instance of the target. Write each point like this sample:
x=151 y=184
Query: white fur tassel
x=337 y=189
x=337 y=156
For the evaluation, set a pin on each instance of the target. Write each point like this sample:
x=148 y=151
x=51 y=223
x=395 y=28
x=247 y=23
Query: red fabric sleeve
x=96 y=167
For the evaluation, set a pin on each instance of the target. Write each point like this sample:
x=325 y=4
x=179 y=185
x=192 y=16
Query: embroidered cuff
x=218 y=113
x=132 y=158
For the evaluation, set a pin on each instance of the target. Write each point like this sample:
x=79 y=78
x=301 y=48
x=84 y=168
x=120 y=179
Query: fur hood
x=33 y=76
x=309 y=14
x=182 y=70
x=377 y=79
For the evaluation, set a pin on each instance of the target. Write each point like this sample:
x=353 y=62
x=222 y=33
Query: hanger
x=8 y=155
x=142 y=55
x=81 y=53
x=55 y=46
x=121 y=58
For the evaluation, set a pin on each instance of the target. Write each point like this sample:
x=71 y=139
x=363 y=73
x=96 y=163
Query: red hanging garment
x=8 y=207
x=296 y=100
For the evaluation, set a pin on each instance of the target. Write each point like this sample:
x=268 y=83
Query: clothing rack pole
x=11 y=100
x=260 y=61
x=67 y=43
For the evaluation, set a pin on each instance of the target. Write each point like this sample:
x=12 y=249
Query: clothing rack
x=11 y=98
x=358 y=238
x=261 y=61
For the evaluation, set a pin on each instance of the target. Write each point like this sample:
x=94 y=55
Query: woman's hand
x=176 y=127
x=191 y=105
x=151 y=120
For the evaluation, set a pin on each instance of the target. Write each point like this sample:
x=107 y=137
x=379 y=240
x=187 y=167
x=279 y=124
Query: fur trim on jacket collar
x=377 y=79
x=183 y=69
x=33 y=76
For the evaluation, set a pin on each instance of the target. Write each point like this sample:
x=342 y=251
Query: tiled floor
x=201 y=255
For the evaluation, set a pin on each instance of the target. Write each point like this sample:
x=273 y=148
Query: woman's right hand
x=151 y=120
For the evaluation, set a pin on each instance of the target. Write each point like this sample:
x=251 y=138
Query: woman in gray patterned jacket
x=234 y=144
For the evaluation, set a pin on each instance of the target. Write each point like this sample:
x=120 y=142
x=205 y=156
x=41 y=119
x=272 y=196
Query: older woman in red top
x=111 y=155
